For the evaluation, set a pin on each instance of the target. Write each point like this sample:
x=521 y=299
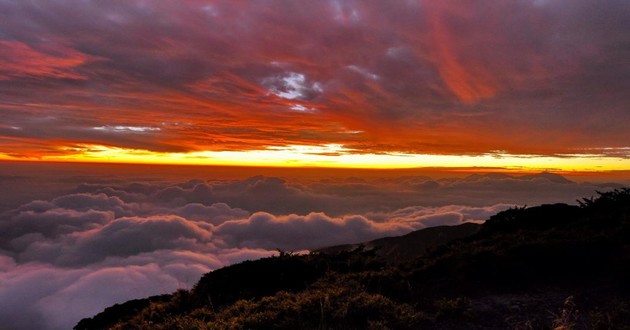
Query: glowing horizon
x=147 y=141
x=336 y=156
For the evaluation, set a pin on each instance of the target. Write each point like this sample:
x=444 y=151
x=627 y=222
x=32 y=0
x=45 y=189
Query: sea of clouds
x=69 y=256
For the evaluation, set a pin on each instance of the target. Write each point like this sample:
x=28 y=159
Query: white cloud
x=299 y=107
x=364 y=72
x=312 y=231
x=292 y=86
x=126 y=129
x=105 y=244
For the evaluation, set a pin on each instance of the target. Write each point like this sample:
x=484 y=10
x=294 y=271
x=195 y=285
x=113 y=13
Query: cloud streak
x=21 y=60
x=417 y=76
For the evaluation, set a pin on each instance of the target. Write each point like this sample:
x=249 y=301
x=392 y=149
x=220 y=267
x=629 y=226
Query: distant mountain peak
x=553 y=177
x=495 y=176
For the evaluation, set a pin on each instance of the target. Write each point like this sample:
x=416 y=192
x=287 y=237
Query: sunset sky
x=531 y=84
x=348 y=120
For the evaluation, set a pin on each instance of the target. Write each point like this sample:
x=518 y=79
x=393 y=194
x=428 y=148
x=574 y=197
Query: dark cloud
x=202 y=199
x=421 y=217
x=101 y=202
x=52 y=223
x=294 y=232
x=526 y=77
x=216 y=213
x=130 y=236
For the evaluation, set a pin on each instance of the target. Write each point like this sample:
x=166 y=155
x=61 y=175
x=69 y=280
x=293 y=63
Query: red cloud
x=470 y=83
x=443 y=77
x=18 y=59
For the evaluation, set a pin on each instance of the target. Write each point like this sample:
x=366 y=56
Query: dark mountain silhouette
x=545 y=267
x=496 y=176
x=552 y=177
x=407 y=247
x=557 y=178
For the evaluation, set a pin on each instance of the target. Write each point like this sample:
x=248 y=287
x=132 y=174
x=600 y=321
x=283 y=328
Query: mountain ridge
x=541 y=267
x=397 y=249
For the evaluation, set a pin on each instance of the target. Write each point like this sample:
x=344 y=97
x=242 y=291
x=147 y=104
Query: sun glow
x=334 y=156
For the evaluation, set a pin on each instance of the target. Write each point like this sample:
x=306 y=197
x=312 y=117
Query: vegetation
x=546 y=267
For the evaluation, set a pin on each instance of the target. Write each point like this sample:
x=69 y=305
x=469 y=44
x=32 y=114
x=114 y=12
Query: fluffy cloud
x=422 y=217
x=50 y=223
x=317 y=230
x=109 y=285
x=216 y=213
x=82 y=202
x=294 y=232
x=124 y=237
x=71 y=255
x=41 y=296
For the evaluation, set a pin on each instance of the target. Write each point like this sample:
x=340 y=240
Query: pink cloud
x=130 y=232
x=51 y=60
x=443 y=77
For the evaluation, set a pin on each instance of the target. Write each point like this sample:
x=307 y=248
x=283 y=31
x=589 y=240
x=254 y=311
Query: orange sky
x=529 y=84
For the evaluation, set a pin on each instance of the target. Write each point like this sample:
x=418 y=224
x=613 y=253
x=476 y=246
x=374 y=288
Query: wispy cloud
x=443 y=77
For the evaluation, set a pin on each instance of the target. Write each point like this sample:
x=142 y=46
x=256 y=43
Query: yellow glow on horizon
x=334 y=156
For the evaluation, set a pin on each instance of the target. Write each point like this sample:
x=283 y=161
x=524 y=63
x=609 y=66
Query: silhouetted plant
x=567 y=317
x=581 y=250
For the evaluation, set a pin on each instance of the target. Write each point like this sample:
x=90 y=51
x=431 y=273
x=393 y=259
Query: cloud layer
x=107 y=241
x=446 y=77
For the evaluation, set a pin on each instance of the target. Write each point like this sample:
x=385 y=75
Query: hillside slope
x=525 y=268
x=407 y=247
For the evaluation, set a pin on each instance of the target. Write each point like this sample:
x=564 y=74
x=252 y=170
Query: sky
x=524 y=84
x=145 y=143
